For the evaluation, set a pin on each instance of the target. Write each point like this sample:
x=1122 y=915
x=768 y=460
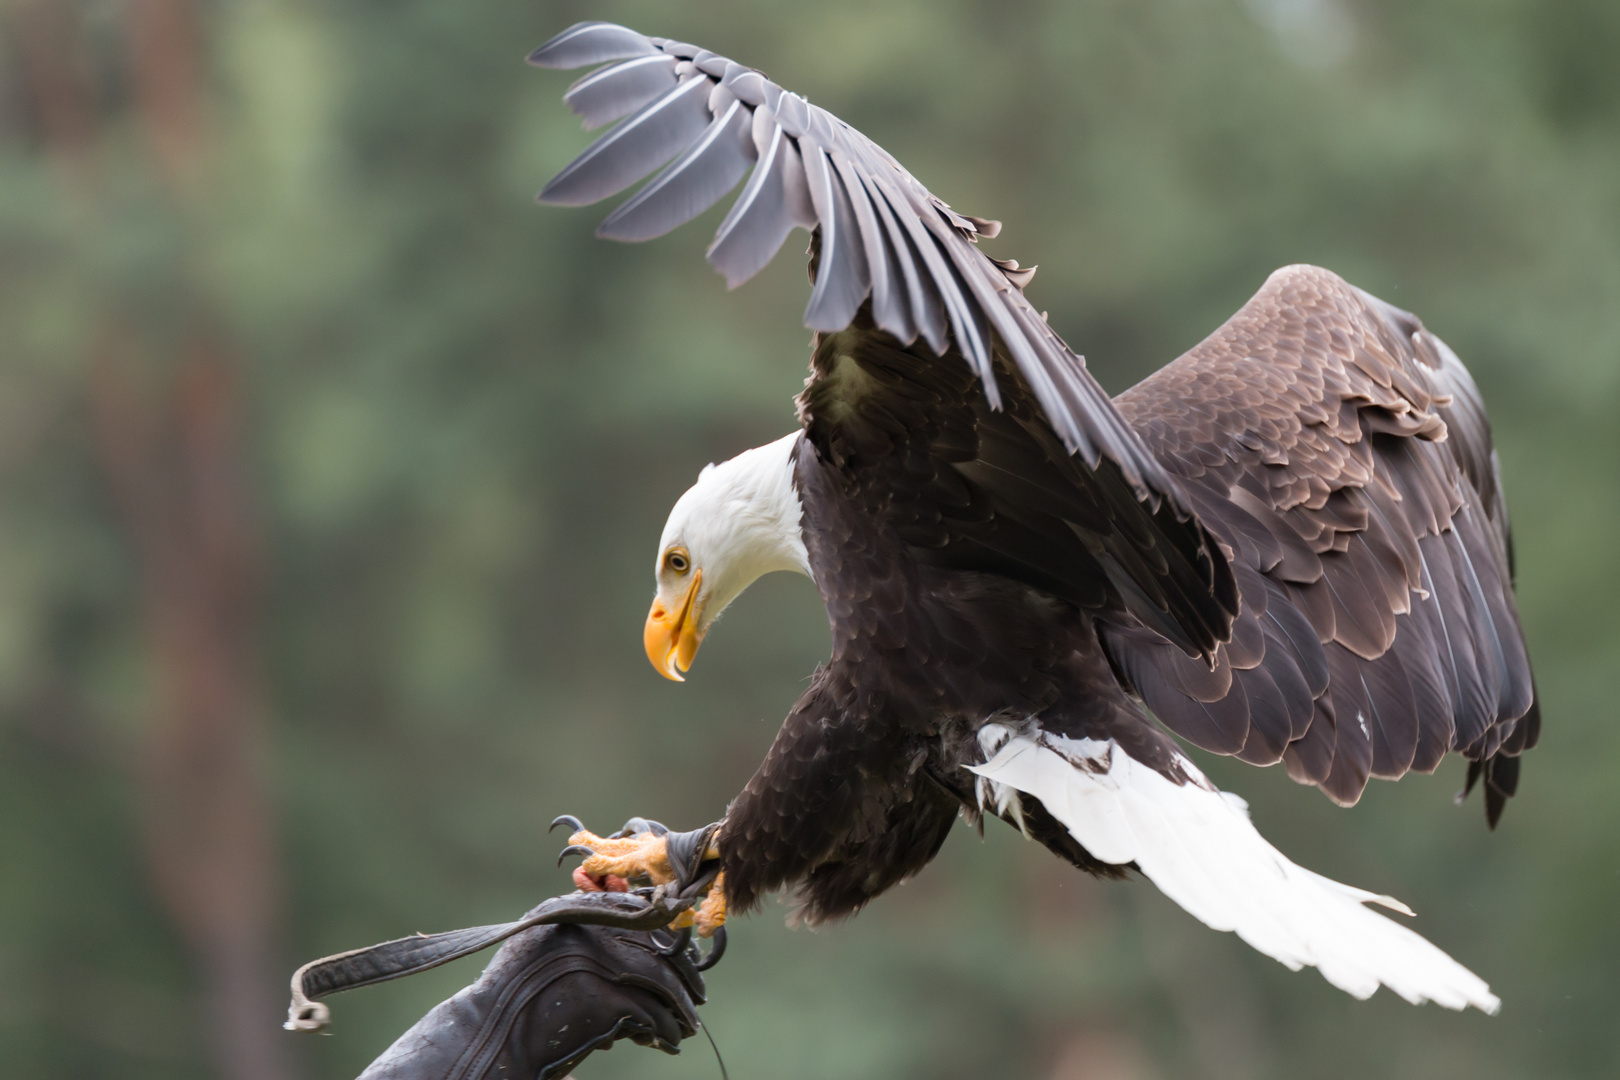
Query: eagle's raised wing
x=1342 y=452
x=882 y=234
x=903 y=265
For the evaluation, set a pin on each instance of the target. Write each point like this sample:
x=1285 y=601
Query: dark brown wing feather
x=1342 y=452
x=974 y=488
x=894 y=268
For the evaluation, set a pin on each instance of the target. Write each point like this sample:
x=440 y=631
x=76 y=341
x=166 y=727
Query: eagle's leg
x=612 y=863
x=711 y=914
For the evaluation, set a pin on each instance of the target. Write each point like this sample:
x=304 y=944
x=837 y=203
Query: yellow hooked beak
x=672 y=637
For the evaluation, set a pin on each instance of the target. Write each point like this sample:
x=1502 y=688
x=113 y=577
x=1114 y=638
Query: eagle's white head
x=740 y=521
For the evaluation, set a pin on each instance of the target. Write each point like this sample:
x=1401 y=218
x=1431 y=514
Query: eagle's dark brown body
x=864 y=782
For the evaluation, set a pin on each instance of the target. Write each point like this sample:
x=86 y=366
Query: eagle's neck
x=764 y=511
x=741 y=521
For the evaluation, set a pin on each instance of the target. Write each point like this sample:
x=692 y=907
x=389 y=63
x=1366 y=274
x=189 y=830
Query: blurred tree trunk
x=172 y=457
x=167 y=411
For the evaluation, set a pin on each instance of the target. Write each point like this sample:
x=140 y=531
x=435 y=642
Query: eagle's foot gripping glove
x=646 y=852
x=575 y=974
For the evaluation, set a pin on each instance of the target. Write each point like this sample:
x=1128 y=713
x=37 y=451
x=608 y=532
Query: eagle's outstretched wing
x=899 y=264
x=1342 y=451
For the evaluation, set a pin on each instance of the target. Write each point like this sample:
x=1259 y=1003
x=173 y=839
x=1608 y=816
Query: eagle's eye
x=676 y=560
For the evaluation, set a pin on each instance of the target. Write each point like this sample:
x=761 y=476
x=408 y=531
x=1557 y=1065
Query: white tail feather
x=1198 y=846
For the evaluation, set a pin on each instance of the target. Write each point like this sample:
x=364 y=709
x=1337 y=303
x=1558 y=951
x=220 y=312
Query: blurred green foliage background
x=331 y=471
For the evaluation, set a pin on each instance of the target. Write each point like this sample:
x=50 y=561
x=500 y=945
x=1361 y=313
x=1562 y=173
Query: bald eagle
x=1288 y=545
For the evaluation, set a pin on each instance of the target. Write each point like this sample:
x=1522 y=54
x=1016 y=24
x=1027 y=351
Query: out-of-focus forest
x=332 y=469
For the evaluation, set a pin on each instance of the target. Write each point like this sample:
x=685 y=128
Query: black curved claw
x=638 y=825
x=682 y=940
x=570 y=820
x=574 y=849
x=716 y=951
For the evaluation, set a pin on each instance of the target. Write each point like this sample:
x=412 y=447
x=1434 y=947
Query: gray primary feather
x=696 y=181
x=589 y=43
x=635 y=148
x=613 y=92
x=882 y=237
x=771 y=204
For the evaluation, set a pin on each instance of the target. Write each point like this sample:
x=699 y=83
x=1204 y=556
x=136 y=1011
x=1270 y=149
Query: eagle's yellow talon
x=644 y=855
